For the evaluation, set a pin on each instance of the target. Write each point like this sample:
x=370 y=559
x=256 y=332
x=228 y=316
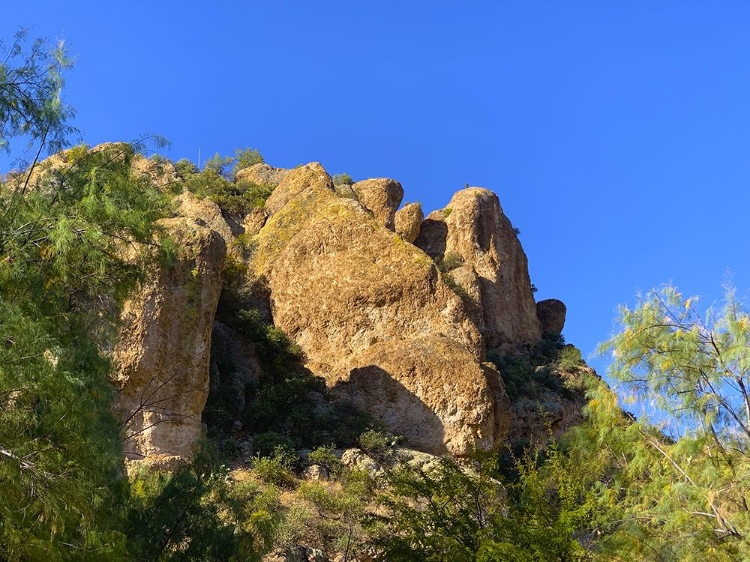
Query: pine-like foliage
x=70 y=241
x=675 y=488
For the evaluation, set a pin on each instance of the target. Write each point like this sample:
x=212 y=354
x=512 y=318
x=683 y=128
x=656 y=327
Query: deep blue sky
x=616 y=137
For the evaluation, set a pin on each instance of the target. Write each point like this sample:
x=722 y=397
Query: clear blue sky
x=617 y=137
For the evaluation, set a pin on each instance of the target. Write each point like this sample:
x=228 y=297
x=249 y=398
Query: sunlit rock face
x=472 y=235
x=395 y=312
x=381 y=196
x=408 y=220
x=162 y=356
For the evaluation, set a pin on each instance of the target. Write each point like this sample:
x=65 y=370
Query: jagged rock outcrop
x=432 y=391
x=399 y=329
x=373 y=314
x=408 y=221
x=473 y=232
x=254 y=221
x=381 y=196
x=551 y=314
x=162 y=356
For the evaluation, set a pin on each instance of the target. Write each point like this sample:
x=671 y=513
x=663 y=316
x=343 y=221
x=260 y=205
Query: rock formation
x=343 y=283
x=395 y=312
x=551 y=314
x=311 y=177
x=473 y=233
x=408 y=221
x=262 y=174
x=382 y=196
x=162 y=357
x=432 y=391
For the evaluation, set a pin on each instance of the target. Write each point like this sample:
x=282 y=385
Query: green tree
x=31 y=82
x=453 y=512
x=244 y=158
x=190 y=513
x=66 y=227
x=63 y=274
x=676 y=487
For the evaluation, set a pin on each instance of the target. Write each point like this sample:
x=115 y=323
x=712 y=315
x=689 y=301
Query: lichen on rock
x=162 y=356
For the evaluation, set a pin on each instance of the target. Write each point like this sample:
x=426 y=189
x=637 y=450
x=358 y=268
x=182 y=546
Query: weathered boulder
x=311 y=177
x=432 y=391
x=160 y=171
x=473 y=231
x=262 y=174
x=343 y=283
x=162 y=356
x=551 y=314
x=408 y=221
x=205 y=212
x=381 y=196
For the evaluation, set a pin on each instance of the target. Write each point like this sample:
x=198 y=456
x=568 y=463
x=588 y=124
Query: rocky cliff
x=398 y=314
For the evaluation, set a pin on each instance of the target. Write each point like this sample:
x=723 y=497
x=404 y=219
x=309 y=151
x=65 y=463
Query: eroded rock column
x=162 y=357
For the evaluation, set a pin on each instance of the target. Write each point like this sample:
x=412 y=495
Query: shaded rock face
x=254 y=221
x=473 y=232
x=532 y=420
x=432 y=391
x=382 y=196
x=234 y=366
x=551 y=314
x=162 y=356
x=408 y=221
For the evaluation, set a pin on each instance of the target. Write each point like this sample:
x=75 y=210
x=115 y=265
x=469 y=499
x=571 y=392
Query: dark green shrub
x=185 y=167
x=326 y=457
x=271 y=344
x=234 y=198
x=569 y=359
x=379 y=445
x=517 y=373
x=267 y=444
x=342 y=179
x=527 y=376
x=276 y=469
x=182 y=515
